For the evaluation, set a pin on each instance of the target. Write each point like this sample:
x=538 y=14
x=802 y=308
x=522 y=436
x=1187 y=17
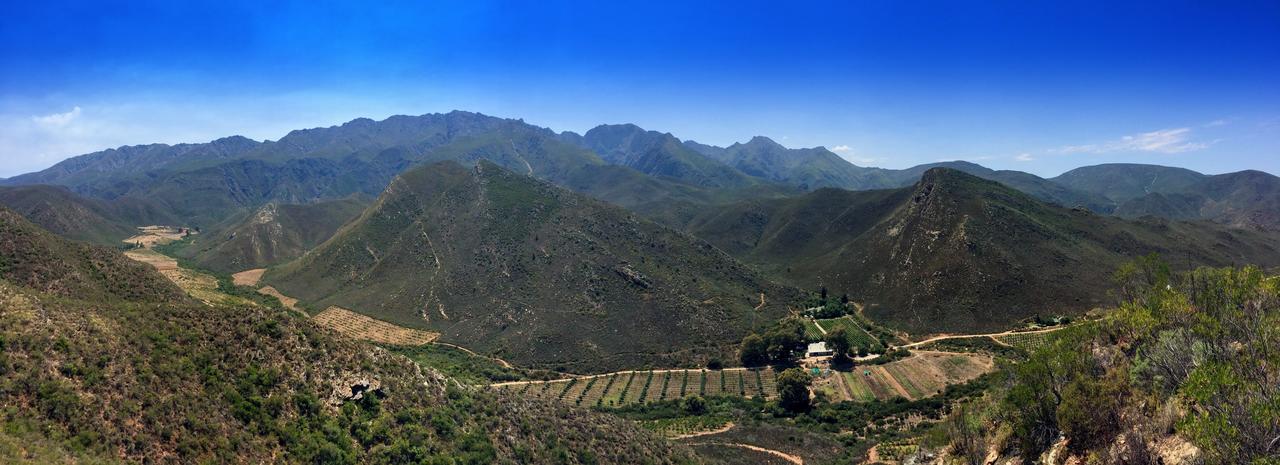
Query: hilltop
x=546 y=277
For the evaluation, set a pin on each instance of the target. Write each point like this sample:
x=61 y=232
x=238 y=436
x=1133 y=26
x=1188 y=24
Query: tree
x=793 y=389
x=1235 y=415
x=784 y=341
x=838 y=341
x=966 y=430
x=1089 y=414
x=754 y=351
x=695 y=405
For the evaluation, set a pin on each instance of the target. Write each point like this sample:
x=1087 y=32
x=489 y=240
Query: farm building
x=818 y=349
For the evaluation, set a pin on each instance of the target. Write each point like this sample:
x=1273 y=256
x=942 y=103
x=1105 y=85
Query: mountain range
x=804 y=218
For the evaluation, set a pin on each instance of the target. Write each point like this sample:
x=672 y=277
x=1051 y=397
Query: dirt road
x=991 y=335
x=783 y=455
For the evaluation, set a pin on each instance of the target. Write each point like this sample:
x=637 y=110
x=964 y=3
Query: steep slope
x=955 y=252
x=140 y=377
x=34 y=258
x=507 y=264
x=662 y=155
x=273 y=234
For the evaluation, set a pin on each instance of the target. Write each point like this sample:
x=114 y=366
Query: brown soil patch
x=248 y=277
x=150 y=236
x=288 y=302
x=198 y=285
x=727 y=426
x=358 y=326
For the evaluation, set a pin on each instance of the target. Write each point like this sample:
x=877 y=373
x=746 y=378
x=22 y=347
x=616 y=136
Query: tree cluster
x=779 y=345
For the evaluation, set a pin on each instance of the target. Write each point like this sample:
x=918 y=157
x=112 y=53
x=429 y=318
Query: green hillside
x=958 y=253
x=542 y=276
x=1121 y=182
x=34 y=258
x=103 y=362
x=273 y=234
x=82 y=218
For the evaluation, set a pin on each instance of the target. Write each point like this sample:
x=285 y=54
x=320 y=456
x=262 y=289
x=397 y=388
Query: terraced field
x=1028 y=342
x=618 y=389
x=922 y=375
x=358 y=326
x=199 y=285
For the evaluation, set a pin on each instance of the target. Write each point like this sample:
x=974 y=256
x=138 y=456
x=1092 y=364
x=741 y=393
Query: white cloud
x=1177 y=140
x=1217 y=122
x=1024 y=157
x=842 y=149
x=57 y=119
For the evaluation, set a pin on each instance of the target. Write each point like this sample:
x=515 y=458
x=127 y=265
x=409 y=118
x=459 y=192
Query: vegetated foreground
x=145 y=374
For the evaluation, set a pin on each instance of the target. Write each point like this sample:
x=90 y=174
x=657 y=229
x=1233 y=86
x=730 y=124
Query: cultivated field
x=858 y=337
x=198 y=285
x=630 y=387
x=358 y=326
x=149 y=236
x=922 y=375
x=1028 y=342
x=811 y=330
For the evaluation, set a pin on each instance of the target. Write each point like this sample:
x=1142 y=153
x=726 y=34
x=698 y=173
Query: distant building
x=818 y=349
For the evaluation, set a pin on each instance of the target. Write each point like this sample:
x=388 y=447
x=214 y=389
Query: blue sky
x=1035 y=86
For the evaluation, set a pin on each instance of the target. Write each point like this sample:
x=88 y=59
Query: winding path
x=783 y=455
x=728 y=426
x=990 y=335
